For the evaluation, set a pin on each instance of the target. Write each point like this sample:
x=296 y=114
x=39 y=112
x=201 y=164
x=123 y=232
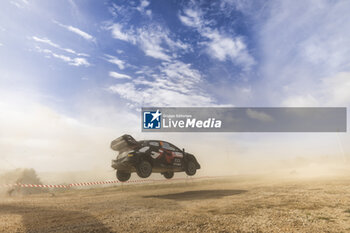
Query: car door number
x=177 y=162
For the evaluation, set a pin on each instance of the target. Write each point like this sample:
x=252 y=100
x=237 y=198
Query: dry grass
x=245 y=204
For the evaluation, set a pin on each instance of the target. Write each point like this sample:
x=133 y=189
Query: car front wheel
x=123 y=176
x=191 y=168
x=144 y=169
x=168 y=175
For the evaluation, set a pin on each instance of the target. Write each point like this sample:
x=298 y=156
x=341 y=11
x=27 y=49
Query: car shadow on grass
x=44 y=219
x=199 y=194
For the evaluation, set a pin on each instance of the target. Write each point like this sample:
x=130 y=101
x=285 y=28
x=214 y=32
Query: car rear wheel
x=191 y=168
x=144 y=169
x=168 y=175
x=123 y=176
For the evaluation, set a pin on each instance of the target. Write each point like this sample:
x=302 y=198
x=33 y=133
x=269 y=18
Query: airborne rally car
x=147 y=156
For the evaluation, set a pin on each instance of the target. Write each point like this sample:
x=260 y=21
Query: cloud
x=154 y=40
x=192 y=18
x=219 y=45
x=77 y=31
x=118 y=75
x=304 y=100
x=223 y=48
x=331 y=91
x=337 y=89
x=159 y=97
x=116 y=61
x=170 y=84
x=150 y=42
x=77 y=61
x=120 y=34
x=117 y=10
x=20 y=3
x=308 y=62
x=49 y=42
x=142 y=8
x=46 y=41
x=81 y=33
x=53 y=141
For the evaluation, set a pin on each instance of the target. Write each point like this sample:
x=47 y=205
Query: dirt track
x=225 y=205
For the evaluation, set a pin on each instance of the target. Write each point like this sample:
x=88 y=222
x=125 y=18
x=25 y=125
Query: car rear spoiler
x=124 y=143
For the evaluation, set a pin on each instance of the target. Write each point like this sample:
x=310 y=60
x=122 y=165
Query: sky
x=74 y=73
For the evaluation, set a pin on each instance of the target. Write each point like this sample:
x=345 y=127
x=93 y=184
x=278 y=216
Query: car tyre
x=123 y=176
x=191 y=168
x=144 y=169
x=168 y=175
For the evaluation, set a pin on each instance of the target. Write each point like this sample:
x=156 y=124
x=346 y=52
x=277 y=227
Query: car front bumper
x=124 y=164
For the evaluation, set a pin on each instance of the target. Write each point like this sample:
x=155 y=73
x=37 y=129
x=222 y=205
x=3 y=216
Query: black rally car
x=147 y=156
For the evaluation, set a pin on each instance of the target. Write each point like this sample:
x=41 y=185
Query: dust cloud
x=22 y=176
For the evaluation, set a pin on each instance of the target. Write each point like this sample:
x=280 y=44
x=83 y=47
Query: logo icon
x=152 y=119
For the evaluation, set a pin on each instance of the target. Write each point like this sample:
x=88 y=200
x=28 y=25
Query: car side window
x=154 y=144
x=176 y=149
x=144 y=149
x=167 y=146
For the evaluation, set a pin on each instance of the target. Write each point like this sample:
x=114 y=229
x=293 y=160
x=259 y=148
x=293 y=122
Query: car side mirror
x=183 y=150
